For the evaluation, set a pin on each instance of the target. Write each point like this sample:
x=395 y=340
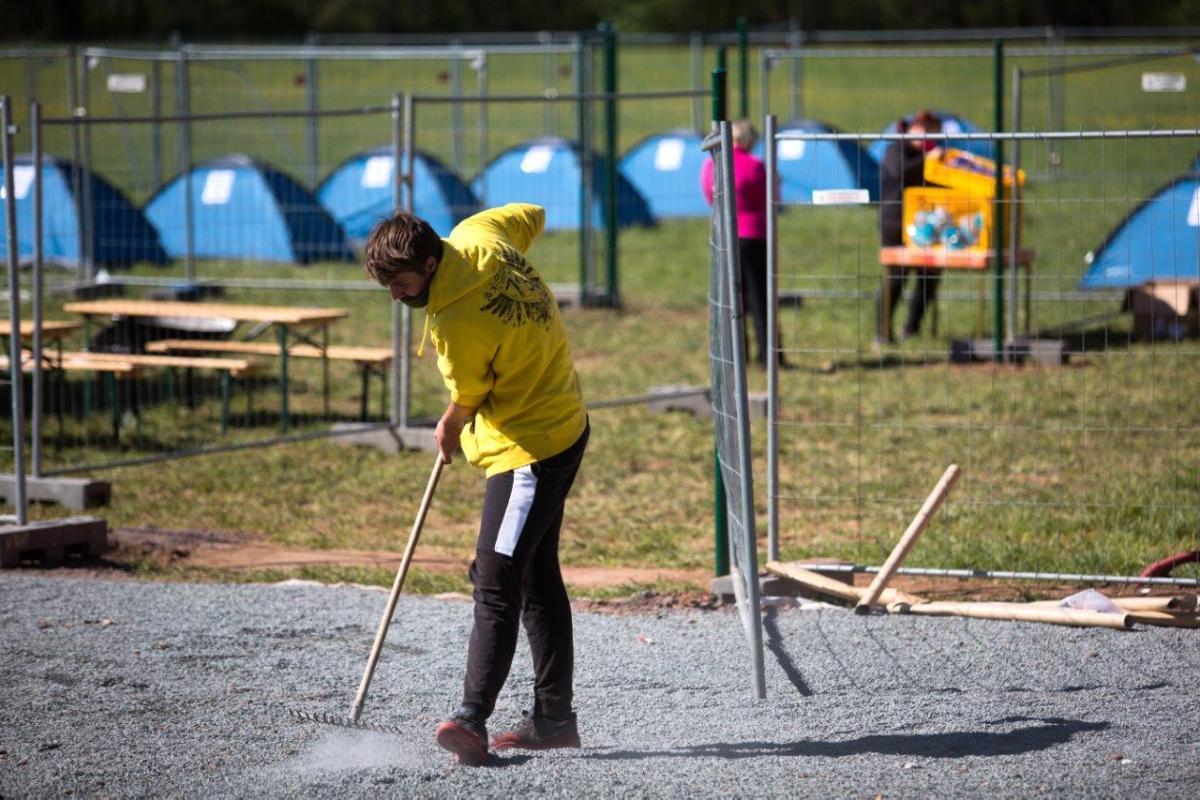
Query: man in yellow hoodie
x=516 y=410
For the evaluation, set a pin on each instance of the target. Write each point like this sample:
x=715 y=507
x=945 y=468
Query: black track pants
x=517 y=578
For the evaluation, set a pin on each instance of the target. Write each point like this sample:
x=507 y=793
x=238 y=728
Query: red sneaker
x=466 y=738
x=539 y=733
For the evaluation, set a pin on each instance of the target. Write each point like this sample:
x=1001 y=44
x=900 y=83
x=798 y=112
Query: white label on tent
x=668 y=157
x=377 y=172
x=537 y=159
x=22 y=179
x=791 y=149
x=127 y=83
x=1164 y=82
x=1193 y=218
x=951 y=126
x=840 y=197
x=217 y=187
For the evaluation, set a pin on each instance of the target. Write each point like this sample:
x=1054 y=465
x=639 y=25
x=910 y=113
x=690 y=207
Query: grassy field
x=1090 y=467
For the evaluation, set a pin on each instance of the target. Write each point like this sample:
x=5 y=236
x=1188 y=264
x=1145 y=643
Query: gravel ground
x=130 y=689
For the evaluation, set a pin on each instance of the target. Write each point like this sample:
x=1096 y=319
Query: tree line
x=290 y=20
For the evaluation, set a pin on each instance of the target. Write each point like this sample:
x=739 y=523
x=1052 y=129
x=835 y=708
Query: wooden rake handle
x=928 y=509
x=397 y=585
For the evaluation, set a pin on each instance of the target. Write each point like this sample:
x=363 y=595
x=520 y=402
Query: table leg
x=981 y=306
x=110 y=389
x=225 y=400
x=365 y=373
x=885 y=308
x=325 y=366
x=383 y=391
x=281 y=332
x=1028 y=299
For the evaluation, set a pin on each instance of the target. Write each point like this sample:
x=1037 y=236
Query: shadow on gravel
x=775 y=645
x=1045 y=733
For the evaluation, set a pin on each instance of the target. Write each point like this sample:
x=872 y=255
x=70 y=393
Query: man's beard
x=420 y=301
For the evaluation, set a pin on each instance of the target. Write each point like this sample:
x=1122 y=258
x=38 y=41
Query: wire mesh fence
x=727 y=363
x=1062 y=379
x=200 y=329
x=1067 y=86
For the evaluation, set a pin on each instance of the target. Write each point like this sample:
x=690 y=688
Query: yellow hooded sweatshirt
x=501 y=344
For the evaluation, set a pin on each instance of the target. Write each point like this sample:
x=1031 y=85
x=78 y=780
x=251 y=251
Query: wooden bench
x=229 y=368
x=113 y=365
x=368 y=360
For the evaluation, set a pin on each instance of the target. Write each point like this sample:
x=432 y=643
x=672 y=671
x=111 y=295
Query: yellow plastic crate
x=957 y=203
x=958 y=169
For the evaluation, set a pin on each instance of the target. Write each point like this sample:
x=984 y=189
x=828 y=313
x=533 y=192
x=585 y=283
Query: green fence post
x=611 y=219
x=582 y=121
x=998 y=225
x=720 y=513
x=743 y=69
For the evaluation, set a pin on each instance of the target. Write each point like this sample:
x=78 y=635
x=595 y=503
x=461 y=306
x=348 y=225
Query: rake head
x=344 y=722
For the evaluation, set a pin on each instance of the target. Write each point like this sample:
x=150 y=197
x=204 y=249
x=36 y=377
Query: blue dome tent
x=665 y=169
x=244 y=209
x=1158 y=240
x=951 y=124
x=806 y=165
x=547 y=172
x=119 y=234
x=358 y=194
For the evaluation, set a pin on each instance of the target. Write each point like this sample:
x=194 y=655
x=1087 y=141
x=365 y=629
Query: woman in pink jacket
x=750 y=188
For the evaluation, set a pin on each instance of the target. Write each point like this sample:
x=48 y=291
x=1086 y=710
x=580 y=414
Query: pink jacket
x=750 y=185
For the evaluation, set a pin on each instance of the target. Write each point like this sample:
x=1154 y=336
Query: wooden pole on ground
x=816 y=583
x=1019 y=612
x=928 y=509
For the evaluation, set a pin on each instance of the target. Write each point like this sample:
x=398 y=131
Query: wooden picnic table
x=944 y=258
x=52 y=329
x=293 y=324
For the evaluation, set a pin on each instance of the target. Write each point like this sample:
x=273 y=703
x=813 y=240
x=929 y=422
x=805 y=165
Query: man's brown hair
x=400 y=244
x=927 y=120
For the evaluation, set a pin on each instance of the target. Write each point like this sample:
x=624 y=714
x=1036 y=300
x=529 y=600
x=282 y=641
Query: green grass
x=1092 y=467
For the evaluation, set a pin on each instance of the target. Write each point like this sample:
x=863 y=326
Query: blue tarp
x=547 y=172
x=1158 y=240
x=951 y=123
x=358 y=194
x=808 y=165
x=120 y=235
x=244 y=209
x=665 y=168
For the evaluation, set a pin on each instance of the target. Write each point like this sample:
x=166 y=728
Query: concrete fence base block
x=692 y=400
x=52 y=541
x=768 y=586
x=73 y=493
x=1047 y=352
x=389 y=440
x=757 y=405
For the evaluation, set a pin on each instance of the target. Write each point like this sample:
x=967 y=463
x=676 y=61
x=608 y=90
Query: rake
x=353 y=721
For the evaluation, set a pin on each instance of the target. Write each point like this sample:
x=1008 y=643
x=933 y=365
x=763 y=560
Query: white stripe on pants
x=519 y=502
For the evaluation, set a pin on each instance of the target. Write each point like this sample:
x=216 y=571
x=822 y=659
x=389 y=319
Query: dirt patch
x=232 y=551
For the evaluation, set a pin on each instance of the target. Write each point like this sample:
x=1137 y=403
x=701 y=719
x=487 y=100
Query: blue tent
x=547 y=172
x=358 y=193
x=665 y=168
x=1158 y=240
x=245 y=209
x=951 y=124
x=806 y=165
x=119 y=234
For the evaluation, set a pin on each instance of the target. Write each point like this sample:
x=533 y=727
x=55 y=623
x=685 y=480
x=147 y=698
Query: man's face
x=916 y=129
x=409 y=284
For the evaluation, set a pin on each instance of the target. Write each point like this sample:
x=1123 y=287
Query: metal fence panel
x=1091 y=467
x=727 y=360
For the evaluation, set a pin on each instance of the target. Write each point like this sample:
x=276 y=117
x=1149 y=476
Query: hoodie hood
x=457 y=276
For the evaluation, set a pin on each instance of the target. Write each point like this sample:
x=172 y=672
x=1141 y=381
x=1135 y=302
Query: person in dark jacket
x=904 y=166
